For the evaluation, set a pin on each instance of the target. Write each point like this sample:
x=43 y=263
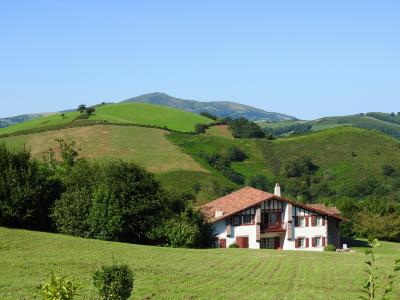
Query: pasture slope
x=125 y=113
x=383 y=122
x=28 y=257
x=348 y=154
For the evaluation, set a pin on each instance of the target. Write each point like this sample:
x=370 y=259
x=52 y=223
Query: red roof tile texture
x=247 y=197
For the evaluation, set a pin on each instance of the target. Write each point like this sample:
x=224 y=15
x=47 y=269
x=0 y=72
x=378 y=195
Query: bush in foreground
x=114 y=282
x=58 y=289
x=234 y=245
x=329 y=247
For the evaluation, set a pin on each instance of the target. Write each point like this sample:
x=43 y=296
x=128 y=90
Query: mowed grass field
x=126 y=113
x=27 y=258
x=149 y=114
x=147 y=146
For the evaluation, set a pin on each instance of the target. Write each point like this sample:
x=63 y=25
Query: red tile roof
x=247 y=197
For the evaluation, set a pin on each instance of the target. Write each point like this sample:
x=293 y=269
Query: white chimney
x=277 y=190
x=218 y=213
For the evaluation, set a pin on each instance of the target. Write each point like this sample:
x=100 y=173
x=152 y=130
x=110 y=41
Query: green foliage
x=58 y=288
x=291 y=129
x=69 y=153
x=90 y=110
x=208 y=115
x=260 y=182
x=188 y=229
x=222 y=163
x=200 y=128
x=27 y=190
x=114 y=282
x=243 y=128
x=234 y=245
x=370 y=224
x=118 y=201
x=234 y=153
x=374 y=284
x=389 y=170
x=81 y=108
x=329 y=247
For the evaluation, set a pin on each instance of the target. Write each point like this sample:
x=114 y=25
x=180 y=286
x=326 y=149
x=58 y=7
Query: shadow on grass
x=351 y=242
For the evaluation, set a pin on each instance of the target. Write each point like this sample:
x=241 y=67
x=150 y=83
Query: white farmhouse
x=256 y=219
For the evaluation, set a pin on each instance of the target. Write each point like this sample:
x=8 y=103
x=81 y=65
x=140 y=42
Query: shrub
x=200 y=128
x=58 y=289
x=114 y=282
x=243 y=128
x=329 y=247
x=234 y=153
x=259 y=182
x=234 y=245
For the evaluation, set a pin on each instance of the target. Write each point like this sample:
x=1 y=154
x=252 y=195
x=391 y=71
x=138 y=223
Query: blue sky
x=304 y=58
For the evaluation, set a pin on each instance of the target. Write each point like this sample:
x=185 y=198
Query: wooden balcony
x=277 y=227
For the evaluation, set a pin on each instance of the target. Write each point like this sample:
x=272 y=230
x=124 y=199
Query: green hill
x=386 y=123
x=350 y=155
x=125 y=113
x=28 y=257
x=217 y=108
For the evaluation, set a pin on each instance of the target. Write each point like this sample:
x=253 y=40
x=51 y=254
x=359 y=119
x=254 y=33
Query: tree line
x=111 y=200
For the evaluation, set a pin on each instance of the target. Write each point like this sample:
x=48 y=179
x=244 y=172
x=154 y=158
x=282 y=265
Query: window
x=302 y=222
x=271 y=219
x=267 y=243
x=247 y=219
x=318 y=221
x=302 y=242
x=317 y=241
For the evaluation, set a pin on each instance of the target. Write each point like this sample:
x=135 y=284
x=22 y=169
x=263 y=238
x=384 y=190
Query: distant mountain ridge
x=218 y=108
x=4 y=122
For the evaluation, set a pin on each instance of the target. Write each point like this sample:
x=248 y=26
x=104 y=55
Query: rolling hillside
x=4 y=122
x=350 y=155
x=218 y=108
x=383 y=122
x=28 y=257
x=126 y=113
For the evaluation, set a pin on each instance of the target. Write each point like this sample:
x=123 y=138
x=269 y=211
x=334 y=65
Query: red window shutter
x=313 y=221
x=323 y=221
x=323 y=241
x=296 y=243
x=307 y=242
x=307 y=221
x=313 y=242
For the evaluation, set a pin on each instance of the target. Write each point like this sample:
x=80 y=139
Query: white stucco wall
x=244 y=230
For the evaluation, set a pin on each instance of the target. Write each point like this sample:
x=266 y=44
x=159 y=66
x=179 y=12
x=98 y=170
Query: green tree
x=81 y=108
x=90 y=110
x=27 y=190
x=260 y=182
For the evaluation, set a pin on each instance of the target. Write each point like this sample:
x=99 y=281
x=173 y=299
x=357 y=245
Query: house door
x=277 y=242
x=242 y=241
x=222 y=243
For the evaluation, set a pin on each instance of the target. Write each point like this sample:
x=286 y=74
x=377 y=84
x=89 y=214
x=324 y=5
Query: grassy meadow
x=125 y=113
x=28 y=257
x=147 y=146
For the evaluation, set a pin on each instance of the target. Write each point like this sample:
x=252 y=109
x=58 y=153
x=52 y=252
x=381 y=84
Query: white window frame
x=318 y=221
x=302 y=221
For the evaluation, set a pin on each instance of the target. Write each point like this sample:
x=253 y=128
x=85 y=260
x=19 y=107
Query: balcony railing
x=279 y=226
